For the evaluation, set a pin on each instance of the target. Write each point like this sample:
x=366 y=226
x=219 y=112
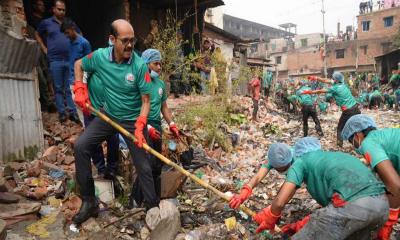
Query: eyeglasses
x=125 y=41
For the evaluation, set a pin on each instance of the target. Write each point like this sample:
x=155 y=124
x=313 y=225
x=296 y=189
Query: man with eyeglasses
x=126 y=85
x=56 y=47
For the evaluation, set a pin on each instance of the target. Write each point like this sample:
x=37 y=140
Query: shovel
x=171 y=163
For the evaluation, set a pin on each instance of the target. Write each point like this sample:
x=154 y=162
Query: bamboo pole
x=171 y=163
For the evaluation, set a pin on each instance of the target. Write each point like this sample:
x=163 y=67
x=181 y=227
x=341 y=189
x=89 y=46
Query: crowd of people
x=355 y=202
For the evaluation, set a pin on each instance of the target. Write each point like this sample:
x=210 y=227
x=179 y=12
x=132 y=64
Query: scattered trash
x=230 y=223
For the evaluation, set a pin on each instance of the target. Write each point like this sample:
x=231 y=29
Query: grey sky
x=305 y=13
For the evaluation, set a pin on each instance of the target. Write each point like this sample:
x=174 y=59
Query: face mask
x=358 y=150
x=285 y=172
x=154 y=74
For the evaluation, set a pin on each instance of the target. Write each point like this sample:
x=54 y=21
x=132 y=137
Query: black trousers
x=255 y=108
x=138 y=189
x=310 y=111
x=87 y=143
x=346 y=115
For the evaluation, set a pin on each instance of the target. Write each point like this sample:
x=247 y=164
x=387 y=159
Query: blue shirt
x=78 y=48
x=57 y=42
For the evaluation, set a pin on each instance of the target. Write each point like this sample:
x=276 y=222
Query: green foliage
x=168 y=42
x=206 y=120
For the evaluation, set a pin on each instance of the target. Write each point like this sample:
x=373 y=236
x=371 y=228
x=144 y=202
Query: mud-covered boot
x=89 y=208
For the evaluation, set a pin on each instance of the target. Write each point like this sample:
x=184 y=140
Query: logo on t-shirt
x=160 y=91
x=130 y=77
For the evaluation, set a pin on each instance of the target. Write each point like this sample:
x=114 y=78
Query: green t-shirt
x=375 y=94
x=323 y=106
x=326 y=173
x=395 y=78
x=267 y=79
x=96 y=91
x=293 y=98
x=343 y=97
x=305 y=99
x=158 y=95
x=363 y=97
x=124 y=84
x=381 y=145
x=397 y=92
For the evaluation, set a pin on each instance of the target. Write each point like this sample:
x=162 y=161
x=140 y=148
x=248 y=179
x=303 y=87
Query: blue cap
x=357 y=123
x=306 y=145
x=338 y=77
x=151 y=55
x=279 y=155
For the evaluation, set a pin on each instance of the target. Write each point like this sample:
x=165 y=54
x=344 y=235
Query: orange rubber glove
x=153 y=133
x=337 y=200
x=81 y=96
x=312 y=78
x=266 y=219
x=238 y=199
x=174 y=129
x=307 y=92
x=140 y=123
x=292 y=228
x=385 y=232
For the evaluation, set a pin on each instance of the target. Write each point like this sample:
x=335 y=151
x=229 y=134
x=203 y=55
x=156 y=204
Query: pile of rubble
x=38 y=198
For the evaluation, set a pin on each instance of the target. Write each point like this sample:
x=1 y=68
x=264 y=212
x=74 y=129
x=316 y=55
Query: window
x=364 y=49
x=339 y=53
x=278 y=60
x=273 y=46
x=303 y=42
x=237 y=26
x=365 y=25
x=388 y=21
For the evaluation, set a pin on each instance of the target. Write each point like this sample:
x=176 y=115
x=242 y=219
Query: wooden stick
x=171 y=163
x=135 y=212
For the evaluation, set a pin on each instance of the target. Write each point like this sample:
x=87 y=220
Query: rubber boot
x=386 y=230
x=89 y=208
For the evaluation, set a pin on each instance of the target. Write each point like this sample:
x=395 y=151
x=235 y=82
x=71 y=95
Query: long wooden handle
x=171 y=163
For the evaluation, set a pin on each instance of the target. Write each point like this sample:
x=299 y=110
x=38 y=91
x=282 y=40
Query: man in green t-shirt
x=353 y=200
x=279 y=156
x=308 y=109
x=381 y=150
x=266 y=83
x=375 y=98
x=397 y=97
x=126 y=84
x=158 y=105
x=343 y=98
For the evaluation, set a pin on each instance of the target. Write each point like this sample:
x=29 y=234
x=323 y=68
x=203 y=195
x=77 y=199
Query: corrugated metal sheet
x=21 y=130
x=17 y=55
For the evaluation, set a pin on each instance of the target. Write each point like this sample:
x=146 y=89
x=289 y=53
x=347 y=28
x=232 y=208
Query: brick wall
x=305 y=60
x=357 y=53
x=12 y=15
x=377 y=28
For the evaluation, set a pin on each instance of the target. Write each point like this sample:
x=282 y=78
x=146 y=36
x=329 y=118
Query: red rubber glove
x=337 y=200
x=81 y=96
x=153 y=133
x=238 y=199
x=292 y=228
x=174 y=129
x=140 y=123
x=312 y=78
x=385 y=232
x=307 y=92
x=266 y=219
